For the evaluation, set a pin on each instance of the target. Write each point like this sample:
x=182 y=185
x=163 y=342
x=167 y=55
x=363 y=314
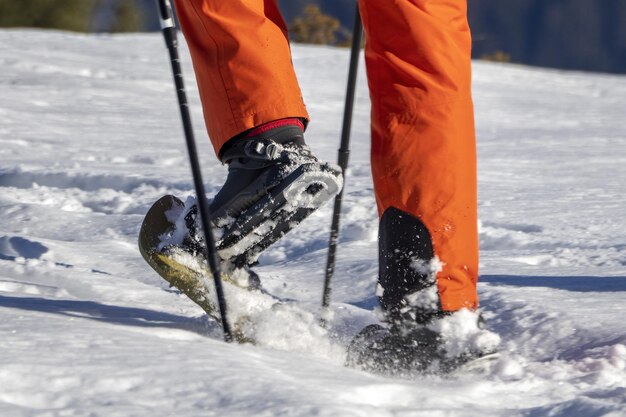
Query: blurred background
x=587 y=35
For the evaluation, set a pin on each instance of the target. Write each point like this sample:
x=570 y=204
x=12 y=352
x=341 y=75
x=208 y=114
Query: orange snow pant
x=423 y=142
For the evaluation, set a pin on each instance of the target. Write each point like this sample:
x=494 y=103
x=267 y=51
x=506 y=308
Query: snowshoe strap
x=266 y=146
x=253 y=155
x=259 y=154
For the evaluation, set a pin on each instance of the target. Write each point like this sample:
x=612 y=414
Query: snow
x=90 y=137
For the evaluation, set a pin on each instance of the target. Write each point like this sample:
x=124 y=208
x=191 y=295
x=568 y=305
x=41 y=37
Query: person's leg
x=423 y=155
x=255 y=117
x=242 y=61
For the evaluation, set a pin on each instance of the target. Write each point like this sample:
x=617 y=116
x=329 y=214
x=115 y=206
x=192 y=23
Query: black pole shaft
x=343 y=155
x=169 y=32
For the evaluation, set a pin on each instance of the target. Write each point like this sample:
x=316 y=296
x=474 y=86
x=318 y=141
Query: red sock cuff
x=291 y=121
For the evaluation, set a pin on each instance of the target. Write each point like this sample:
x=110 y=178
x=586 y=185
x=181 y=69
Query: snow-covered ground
x=90 y=137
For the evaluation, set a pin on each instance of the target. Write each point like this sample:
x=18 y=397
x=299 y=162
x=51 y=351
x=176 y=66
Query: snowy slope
x=90 y=137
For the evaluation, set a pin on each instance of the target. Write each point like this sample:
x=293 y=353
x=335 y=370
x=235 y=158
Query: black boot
x=274 y=182
x=256 y=165
x=417 y=336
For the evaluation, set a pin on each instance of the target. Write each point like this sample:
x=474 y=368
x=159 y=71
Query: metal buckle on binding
x=267 y=150
x=273 y=150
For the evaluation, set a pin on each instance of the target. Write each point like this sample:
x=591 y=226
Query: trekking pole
x=169 y=32
x=342 y=160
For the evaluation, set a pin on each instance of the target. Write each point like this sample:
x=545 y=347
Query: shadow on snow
x=573 y=283
x=127 y=316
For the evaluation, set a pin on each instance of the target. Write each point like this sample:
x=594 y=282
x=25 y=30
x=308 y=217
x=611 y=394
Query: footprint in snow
x=13 y=247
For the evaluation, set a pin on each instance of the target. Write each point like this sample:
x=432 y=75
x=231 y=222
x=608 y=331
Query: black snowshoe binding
x=273 y=184
x=404 y=350
x=379 y=350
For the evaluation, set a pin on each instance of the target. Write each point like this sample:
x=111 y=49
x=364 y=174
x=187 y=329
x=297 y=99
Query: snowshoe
x=404 y=351
x=184 y=268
